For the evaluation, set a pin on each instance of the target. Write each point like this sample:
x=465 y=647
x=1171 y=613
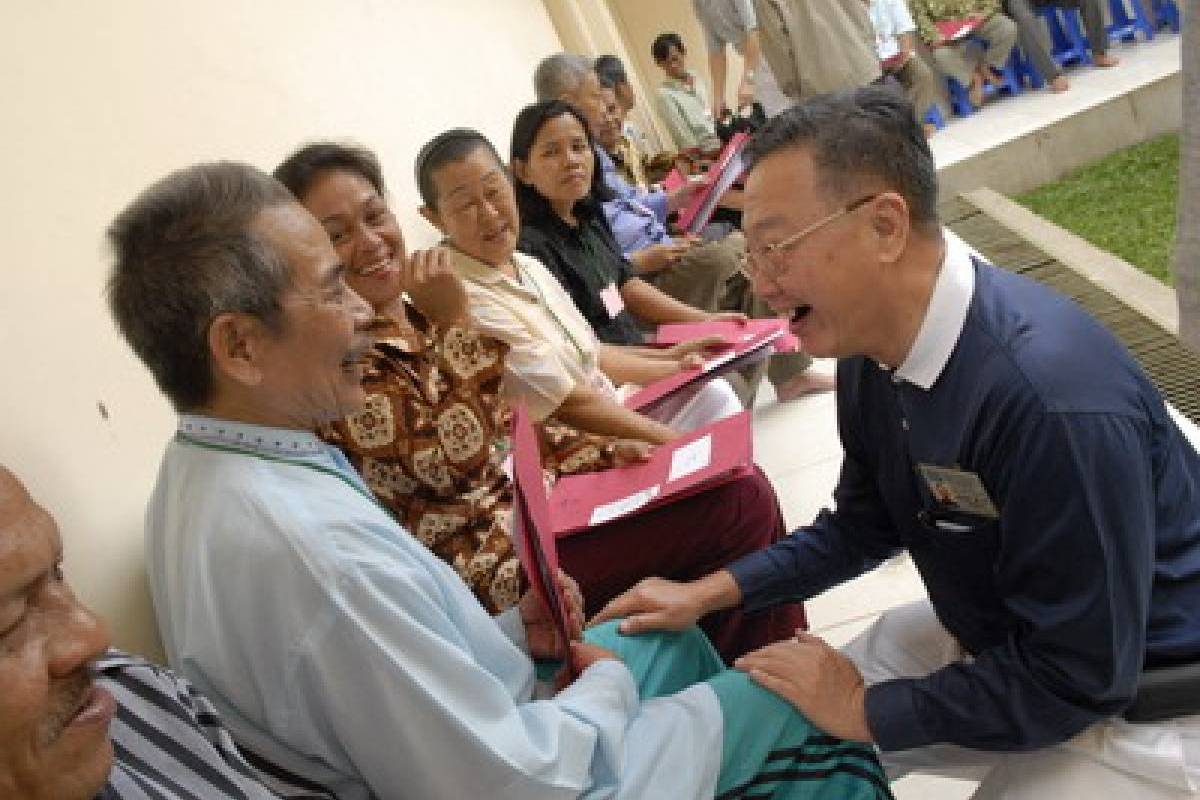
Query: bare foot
x=807 y=382
x=1060 y=84
x=1105 y=60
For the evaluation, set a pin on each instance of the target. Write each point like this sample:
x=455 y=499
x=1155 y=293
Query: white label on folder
x=619 y=508
x=613 y=303
x=690 y=458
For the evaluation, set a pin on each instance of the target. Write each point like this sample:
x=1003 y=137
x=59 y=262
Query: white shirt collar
x=224 y=432
x=944 y=317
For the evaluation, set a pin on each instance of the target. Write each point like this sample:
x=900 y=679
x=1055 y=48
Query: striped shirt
x=169 y=743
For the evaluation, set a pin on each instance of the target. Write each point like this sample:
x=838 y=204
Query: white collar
x=944 y=317
x=243 y=435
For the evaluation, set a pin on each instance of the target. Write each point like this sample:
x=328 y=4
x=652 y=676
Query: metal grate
x=1174 y=368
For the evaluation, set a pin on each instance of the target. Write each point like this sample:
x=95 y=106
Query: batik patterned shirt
x=431 y=443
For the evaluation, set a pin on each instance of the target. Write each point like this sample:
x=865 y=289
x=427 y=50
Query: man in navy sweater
x=1004 y=439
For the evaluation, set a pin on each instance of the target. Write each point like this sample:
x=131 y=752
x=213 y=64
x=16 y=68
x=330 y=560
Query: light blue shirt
x=337 y=646
x=637 y=218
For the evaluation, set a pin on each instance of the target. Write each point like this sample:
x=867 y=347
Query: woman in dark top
x=559 y=191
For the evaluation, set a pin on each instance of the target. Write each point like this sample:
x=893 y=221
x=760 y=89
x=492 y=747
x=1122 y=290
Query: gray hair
x=183 y=253
x=868 y=133
x=560 y=74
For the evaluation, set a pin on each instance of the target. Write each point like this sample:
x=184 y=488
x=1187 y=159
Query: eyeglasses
x=768 y=259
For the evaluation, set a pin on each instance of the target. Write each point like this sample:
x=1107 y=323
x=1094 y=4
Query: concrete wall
x=100 y=99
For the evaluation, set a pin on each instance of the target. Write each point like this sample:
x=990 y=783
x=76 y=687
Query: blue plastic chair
x=1168 y=14
x=1125 y=26
x=960 y=101
x=1067 y=42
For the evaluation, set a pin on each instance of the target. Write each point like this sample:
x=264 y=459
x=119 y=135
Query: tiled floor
x=797 y=443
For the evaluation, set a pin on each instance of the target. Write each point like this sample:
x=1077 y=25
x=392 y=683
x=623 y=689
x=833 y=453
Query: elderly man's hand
x=540 y=631
x=817 y=679
x=434 y=288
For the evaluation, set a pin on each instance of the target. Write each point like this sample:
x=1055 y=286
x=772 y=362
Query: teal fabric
x=770 y=750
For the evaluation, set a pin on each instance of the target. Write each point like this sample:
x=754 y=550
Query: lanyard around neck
x=224 y=448
x=525 y=276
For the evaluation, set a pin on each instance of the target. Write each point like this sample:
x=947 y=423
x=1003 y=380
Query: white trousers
x=712 y=400
x=1112 y=759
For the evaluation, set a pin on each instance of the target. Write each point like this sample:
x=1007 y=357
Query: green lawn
x=1124 y=204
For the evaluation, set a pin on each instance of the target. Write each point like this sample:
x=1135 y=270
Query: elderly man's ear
x=891 y=226
x=237 y=343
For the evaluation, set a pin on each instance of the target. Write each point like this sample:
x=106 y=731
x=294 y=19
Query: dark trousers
x=685 y=540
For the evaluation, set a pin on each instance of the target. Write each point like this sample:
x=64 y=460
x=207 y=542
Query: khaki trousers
x=960 y=60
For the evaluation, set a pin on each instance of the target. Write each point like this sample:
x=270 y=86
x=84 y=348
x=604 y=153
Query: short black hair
x=184 y=253
x=530 y=120
x=661 y=47
x=448 y=147
x=610 y=71
x=301 y=169
x=867 y=133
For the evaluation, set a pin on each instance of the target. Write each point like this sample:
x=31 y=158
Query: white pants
x=712 y=400
x=1112 y=759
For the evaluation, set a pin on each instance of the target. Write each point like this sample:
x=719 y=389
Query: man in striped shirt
x=79 y=720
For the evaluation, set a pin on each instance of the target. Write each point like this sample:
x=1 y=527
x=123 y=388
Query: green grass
x=1124 y=204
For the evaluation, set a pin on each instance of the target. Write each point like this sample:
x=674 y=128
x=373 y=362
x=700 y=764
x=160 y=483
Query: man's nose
x=79 y=638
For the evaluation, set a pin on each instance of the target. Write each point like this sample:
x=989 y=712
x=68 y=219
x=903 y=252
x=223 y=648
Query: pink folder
x=730 y=332
x=952 y=30
x=698 y=211
x=533 y=532
x=702 y=458
x=736 y=355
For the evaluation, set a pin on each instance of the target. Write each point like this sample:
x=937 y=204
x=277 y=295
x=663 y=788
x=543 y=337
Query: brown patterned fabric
x=431 y=441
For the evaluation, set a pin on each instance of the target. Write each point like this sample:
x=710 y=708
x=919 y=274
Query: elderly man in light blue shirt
x=336 y=645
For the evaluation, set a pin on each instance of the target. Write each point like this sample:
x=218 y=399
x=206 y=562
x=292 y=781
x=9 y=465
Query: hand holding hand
x=817 y=679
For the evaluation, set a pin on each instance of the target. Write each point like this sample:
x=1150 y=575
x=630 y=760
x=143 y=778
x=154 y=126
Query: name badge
x=613 y=303
x=958 y=491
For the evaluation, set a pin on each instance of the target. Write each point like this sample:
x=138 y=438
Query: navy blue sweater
x=1090 y=572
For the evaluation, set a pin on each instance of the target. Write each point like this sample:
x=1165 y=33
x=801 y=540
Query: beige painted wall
x=100 y=99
